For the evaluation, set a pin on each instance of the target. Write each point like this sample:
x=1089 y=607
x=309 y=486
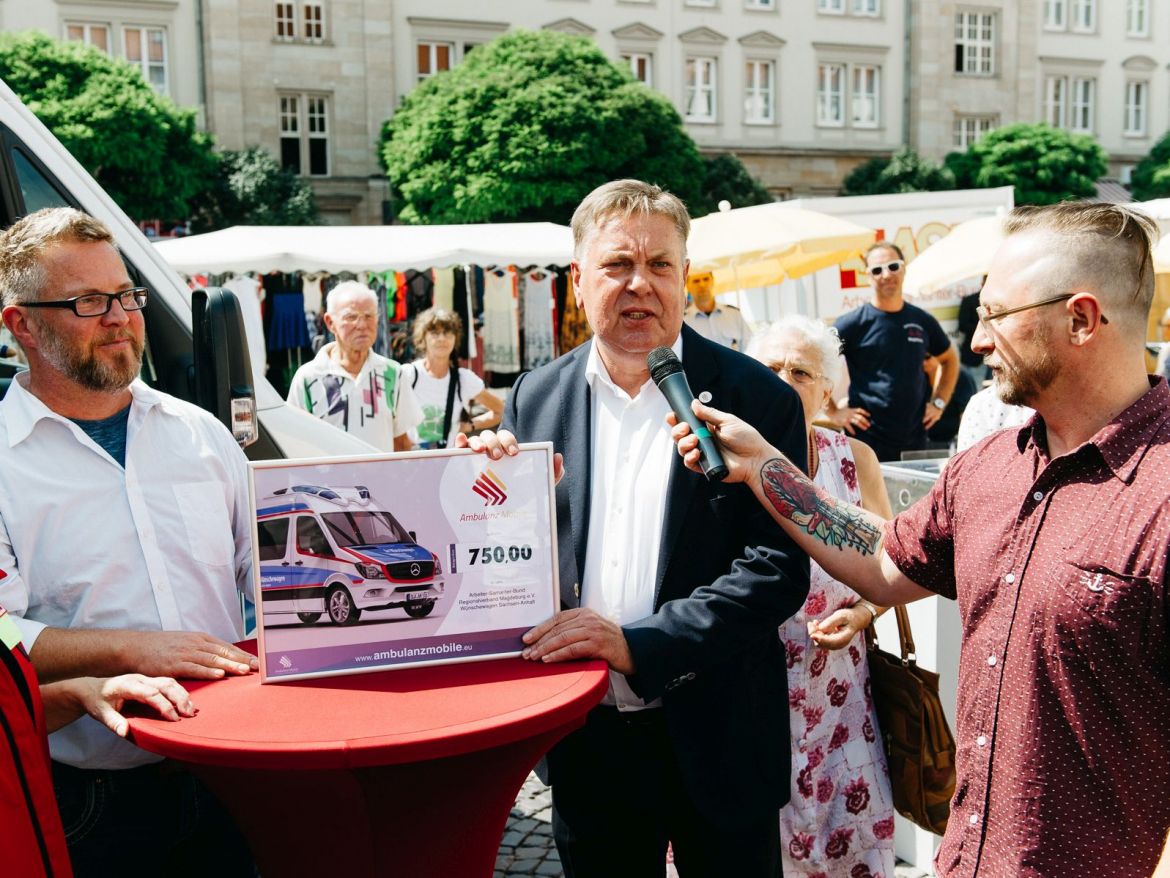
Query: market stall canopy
x=765 y=244
x=964 y=253
x=368 y=248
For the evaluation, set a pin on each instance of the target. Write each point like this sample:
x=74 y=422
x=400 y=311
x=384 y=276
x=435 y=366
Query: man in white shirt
x=723 y=324
x=351 y=387
x=124 y=539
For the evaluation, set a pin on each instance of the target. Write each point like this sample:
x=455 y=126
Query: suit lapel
x=702 y=373
x=576 y=426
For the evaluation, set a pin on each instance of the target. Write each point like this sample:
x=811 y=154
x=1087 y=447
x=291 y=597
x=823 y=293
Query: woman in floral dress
x=839 y=822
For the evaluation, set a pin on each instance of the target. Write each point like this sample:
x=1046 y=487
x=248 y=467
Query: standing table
x=407 y=773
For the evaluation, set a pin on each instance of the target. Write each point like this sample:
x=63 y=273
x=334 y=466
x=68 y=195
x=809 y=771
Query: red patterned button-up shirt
x=1063 y=721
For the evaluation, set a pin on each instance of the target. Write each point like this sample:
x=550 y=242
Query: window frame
x=693 y=89
x=629 y=59
x=971 y=46
x=875 y=97
x=874 y=12
x=1078 y=107
x=969 y=127
x=307 y=25
x=301 y=130
x=755 y=94
x=434 y=46
x=280 y=20
x=86 y=29
x=1051 y=7
x=825 y=95
x=1056 y=106
x=1133 y=108
x=1130 y=7
x=1074 y=24
x=831 y=7
x=144 y=63
x=760 y=5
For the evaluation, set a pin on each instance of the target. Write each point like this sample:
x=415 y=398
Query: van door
x=313 y=563
x=276 y=583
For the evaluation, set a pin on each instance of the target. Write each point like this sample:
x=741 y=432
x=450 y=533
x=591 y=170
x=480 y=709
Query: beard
x=82 y=365
x=1020 y=385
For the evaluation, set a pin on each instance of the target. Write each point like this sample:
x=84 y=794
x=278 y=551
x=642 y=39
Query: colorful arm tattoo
x=834 y=523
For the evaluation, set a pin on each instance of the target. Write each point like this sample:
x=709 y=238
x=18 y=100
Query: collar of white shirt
x=595 y=369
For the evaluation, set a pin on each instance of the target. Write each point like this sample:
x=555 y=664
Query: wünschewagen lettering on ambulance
x=329 y=550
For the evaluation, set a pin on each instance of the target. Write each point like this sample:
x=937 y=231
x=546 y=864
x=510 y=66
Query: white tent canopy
x=368 y=248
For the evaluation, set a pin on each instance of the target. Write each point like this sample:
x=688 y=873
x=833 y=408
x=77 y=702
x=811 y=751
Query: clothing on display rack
x=248 y=293
x=574 y=327
x=444 y=280
x=501 y=329
x=539 y=302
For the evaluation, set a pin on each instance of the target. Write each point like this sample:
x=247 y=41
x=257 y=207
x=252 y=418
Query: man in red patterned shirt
x=1053 y=538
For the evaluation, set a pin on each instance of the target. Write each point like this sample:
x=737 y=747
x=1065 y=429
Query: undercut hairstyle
x=818 y=333
x=347 y=291
x=883 y=245
x=433 y=319
x=626 y=198
x=23 y=246
x=1107 y=247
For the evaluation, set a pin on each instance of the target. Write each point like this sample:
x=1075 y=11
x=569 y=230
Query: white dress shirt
x=724 y=325
x=631 y=454
x=162 y=544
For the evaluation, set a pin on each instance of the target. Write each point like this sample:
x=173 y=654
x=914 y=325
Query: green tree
x=1151 y=176
x=1044 y=164
x=250 y=188
x=727 y=179
x=904 y=171
x=524 y=128
x=142 y=148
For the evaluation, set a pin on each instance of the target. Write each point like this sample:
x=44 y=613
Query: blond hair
x=627 y=198
x=23 y=245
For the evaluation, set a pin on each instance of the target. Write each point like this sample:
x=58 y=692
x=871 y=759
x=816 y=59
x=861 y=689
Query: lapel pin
x=705 y=397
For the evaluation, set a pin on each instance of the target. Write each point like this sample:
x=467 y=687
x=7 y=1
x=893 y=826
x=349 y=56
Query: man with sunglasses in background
x=885 y=342
x=125 y=535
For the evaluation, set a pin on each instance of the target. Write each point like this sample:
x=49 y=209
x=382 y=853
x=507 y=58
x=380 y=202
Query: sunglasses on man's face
x=892 y=267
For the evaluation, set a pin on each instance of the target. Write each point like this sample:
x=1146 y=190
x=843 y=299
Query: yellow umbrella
x=756 y=246
x=965 y=252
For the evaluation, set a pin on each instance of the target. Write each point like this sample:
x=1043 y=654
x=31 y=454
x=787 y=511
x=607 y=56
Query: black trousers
x=156 y=820
x=618 y=799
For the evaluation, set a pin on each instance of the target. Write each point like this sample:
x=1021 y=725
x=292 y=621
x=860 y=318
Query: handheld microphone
x=667 y=373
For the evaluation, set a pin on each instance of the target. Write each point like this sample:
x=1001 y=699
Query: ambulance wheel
x=308 y=618
x=341 y=608
x=419 y=609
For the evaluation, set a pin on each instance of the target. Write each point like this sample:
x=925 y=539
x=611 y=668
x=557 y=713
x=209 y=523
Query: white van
x=37 y=171
x=328 y=550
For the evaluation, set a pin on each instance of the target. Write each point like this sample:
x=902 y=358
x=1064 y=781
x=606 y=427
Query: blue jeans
x=156 y=820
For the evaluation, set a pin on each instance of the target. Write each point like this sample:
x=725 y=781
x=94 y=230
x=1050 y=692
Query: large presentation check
x=384 y=561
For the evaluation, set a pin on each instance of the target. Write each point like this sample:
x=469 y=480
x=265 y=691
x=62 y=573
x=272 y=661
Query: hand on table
x=104 y=698
x=190 y=654
x=579 y=634
x=839 y=628
x=497 y=445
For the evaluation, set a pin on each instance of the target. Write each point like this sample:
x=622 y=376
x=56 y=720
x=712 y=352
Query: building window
x=304 y=134
x=146 y=49
x=871 y=8
x=286 y=21
x=314 y=22
x=96 y=35
x=759 y=4
x=1055 y=14
x=700 y=2
x=641 y=65
x=968 y=129
x=434 y=58
x=1137 y=18
x=975 y=43
x=1084 y=103
x=759 y=105
x=1084 y=15
x=1055 y=100
x=831 y=7
x=1137 y=95
x=701 y=104
x=866 y=92
x=831 y=95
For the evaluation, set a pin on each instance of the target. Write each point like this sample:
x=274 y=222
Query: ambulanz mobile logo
x=491 y=488
x=285 y=661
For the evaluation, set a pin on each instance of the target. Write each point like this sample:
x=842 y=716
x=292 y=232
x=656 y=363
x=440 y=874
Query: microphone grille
x=662 y=364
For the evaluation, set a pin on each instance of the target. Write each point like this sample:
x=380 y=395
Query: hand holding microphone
x=667 y=372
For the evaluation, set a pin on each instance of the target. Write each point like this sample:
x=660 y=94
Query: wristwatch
x=939 y=403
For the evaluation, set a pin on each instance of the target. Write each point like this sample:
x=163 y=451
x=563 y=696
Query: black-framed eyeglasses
x=986 y=316
x=97 y=304
x=892 y=267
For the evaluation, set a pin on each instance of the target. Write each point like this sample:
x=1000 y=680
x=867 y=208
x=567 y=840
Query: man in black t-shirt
x=885 y=343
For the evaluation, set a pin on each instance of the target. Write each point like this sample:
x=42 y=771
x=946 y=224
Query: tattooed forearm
x=835 y=523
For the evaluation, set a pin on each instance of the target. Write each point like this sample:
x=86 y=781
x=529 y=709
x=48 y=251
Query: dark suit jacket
x=727 y=577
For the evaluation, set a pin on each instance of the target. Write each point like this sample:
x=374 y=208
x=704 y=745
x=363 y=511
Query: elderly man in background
x=1054 y=538
x=719 y=323
x=350 y=386
x=125 y=537
x=679 y=584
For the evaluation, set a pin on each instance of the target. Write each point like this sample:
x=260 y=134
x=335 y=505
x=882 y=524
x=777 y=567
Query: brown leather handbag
x=920 y=750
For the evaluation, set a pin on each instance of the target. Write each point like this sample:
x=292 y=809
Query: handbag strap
x=905 y=636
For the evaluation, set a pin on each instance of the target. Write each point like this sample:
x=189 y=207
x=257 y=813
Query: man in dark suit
x=679 y=584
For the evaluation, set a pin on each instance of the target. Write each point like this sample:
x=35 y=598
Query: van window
x=364 y=528
x=273 y=539
x=35 y=188
x=310 y=537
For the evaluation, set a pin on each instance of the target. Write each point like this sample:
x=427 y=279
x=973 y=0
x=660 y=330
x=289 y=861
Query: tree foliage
x=1044 y=164
x=726 y=179
x=524 y=128
x=250 y=188
x=904 y=171
x=1151 y=176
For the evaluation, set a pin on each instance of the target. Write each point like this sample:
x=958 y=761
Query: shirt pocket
x=1103 y=609
x=205 y=520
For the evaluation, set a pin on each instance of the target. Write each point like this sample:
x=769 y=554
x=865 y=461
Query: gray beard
x=87 y=370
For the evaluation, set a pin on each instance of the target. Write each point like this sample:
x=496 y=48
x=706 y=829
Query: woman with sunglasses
x=839 y=821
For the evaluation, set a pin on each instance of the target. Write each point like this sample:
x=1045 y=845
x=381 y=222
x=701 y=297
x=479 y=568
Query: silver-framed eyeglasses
x=986 y=316
x=97 y=304
x=798 y=374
